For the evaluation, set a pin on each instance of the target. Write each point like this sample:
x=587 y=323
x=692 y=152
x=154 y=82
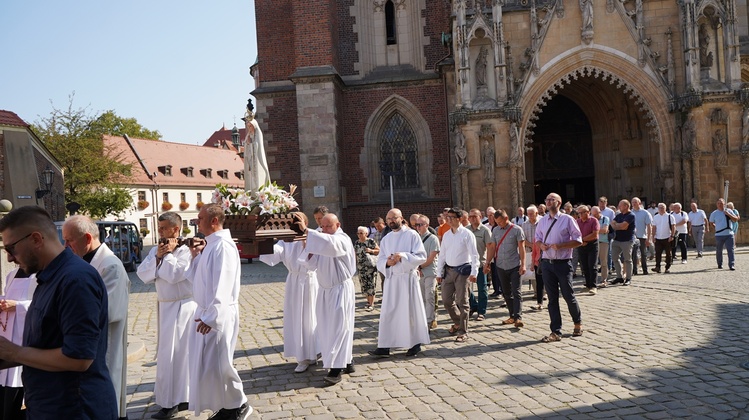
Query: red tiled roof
x=223 y=138
x=155 y=154
x=11 y=118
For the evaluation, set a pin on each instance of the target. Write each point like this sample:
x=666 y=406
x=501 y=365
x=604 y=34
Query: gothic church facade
x=498 y=102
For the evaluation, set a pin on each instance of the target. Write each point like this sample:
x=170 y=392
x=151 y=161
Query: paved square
x=670 y=345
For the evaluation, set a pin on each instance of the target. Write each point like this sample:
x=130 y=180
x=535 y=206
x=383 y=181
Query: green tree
x=112 y=124
x=94 y=173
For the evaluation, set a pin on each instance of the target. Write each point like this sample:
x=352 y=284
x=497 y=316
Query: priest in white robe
x=215 y=273
x=88 y=246
x=331 y=252
x=299 y=303
x=19 y=288
x=403 y=321
x=166 y=266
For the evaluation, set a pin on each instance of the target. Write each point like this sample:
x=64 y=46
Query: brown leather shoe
x=519 y=324
x=578 y=331
x=508 y=321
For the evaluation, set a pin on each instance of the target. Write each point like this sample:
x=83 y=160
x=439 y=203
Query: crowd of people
x=456 y=261
x=62 y=353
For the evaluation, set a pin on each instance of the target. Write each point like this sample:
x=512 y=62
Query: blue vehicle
x=123 y=238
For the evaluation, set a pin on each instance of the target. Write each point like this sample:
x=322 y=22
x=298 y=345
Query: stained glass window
x=398 y=154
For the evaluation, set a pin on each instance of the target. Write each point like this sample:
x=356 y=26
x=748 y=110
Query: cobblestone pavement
x=668 y=346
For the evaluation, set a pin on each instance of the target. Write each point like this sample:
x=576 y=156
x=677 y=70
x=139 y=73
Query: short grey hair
x=82 y=225
x=173 y=218
x=362 y=229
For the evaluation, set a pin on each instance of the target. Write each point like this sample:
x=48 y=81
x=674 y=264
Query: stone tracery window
x=398 y=154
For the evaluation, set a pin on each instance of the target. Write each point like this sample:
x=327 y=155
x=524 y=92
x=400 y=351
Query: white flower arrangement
x=268 y=199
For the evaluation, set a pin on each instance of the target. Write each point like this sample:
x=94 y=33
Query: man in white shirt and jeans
x=458 y=265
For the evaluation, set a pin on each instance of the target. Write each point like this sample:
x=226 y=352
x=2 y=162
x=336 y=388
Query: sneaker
x=683 y=261
x=369 y=308
x=333 y=377
x=380 y=353
x=732 y=268
x=165 y=413
x=617 y=280
x=301 y=366
x=593 y=291
x=349 y=368
x=244 y=412
x=413 y=351
x=627 y=282
x=240 y=413
x=699 y=256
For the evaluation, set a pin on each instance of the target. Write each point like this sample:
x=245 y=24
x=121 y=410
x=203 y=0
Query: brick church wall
x=275 y=40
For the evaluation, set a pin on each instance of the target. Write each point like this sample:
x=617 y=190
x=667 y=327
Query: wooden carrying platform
x=258 y=233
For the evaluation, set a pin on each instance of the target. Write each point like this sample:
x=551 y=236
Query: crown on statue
x=249 y=115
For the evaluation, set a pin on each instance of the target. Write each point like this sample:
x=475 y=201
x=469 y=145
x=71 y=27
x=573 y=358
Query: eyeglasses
x=451 y=217
x=10 y=248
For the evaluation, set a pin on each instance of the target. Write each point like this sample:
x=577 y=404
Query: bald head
x=394 y=219
x=330 y=224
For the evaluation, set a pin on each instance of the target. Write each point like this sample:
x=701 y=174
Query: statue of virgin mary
x=255 y=165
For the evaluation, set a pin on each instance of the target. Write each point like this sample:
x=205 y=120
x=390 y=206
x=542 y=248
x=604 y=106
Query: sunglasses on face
x=10 y=248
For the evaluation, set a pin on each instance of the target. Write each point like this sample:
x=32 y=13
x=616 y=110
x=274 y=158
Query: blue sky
x=180 y=67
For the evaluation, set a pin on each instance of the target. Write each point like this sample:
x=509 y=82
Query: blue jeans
x=558 y=276
x=483 y=292
x=728 y=242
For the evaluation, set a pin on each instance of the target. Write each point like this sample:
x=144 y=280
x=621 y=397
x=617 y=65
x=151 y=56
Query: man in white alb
x=403 y=321
x=166 y=266
x=215 y=273
x=331 y=253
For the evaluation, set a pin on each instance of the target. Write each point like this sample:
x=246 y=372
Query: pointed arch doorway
x=563 y=153
x=592 y=135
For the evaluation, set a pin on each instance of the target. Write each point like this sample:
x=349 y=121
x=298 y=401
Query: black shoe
x=503 y=304
x=627 y=282
x=165 y=413
x=244 y=412
x=333 y=377
x=618 y=280
x=644 y=273
x=656 y=270
x=183 y=406
x=413 y=351
x=732 y=268
x=720 y=267
x=380 y=353
x=349 y=368
x=494 y=295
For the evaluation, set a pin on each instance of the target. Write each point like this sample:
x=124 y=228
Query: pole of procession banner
x=725 y=190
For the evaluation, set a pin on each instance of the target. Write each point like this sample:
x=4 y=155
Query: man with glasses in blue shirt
x=65 y=340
